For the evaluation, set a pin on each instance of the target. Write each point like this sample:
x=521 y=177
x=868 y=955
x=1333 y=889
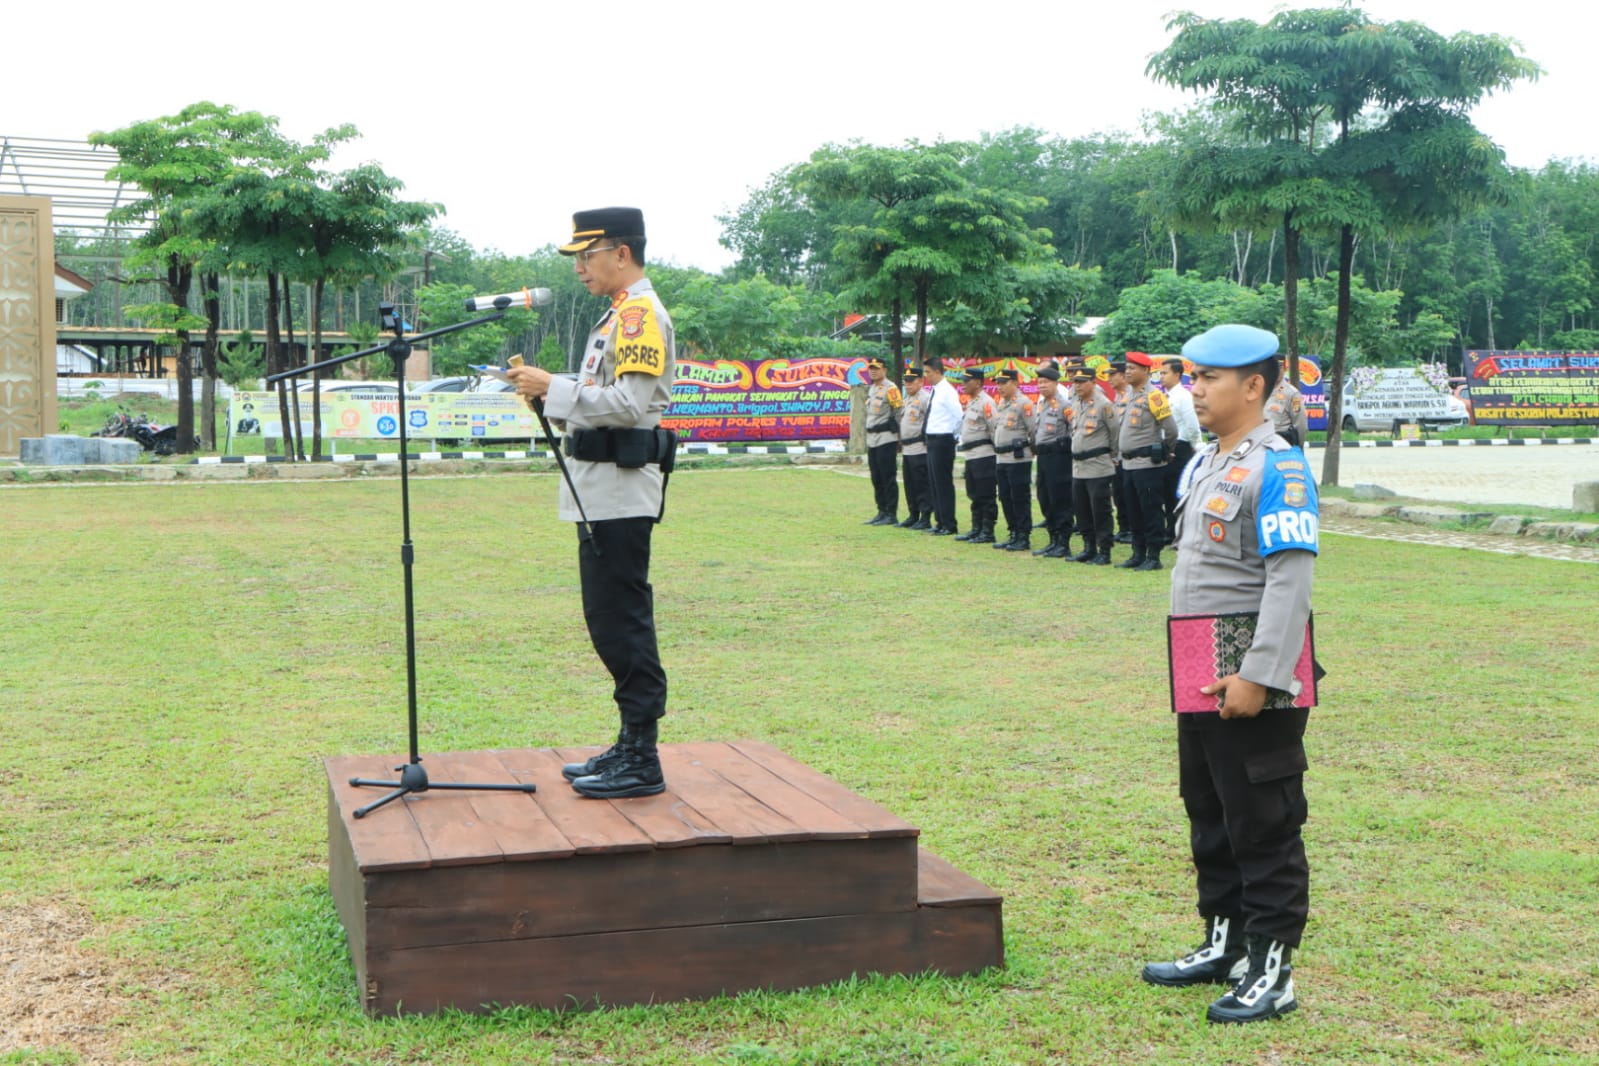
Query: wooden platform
x=751 y=871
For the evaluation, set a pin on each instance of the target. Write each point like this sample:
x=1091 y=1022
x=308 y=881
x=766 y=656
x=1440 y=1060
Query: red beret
x=1141 y=359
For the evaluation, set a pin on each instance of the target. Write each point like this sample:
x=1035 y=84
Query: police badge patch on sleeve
x=640 y=348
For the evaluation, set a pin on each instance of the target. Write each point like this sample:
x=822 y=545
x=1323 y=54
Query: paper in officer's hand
x=492 y=372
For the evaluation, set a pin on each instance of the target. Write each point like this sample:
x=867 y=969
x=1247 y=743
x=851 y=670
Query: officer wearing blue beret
x=1247 y=533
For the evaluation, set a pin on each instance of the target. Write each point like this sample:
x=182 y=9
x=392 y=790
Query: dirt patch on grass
x=53 y=993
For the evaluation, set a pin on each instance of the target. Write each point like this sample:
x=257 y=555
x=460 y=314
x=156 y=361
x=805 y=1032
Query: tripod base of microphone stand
x=415 y=779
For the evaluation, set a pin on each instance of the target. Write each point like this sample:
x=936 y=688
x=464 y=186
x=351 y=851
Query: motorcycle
x=162 y=440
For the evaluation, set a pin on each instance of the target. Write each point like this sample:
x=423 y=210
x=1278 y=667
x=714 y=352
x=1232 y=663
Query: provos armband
x=640 y=348
x=1288 y=510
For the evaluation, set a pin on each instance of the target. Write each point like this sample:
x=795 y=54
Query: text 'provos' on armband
x=639 y=359
x=1288 y=529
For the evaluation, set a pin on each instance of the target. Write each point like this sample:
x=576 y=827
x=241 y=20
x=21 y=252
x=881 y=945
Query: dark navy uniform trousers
x=619 y=607
x=1243 y=785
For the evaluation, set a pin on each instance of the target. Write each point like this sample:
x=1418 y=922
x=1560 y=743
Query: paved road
x=1540 y=476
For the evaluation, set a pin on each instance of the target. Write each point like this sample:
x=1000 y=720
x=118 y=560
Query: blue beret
x=1231 y=346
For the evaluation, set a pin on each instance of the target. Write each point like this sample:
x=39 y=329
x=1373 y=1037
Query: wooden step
x=751 y=871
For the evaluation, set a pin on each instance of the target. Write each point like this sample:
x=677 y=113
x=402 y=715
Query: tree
x=934 y=236
x=1159 y=316
x=344 y=227
x=1399 y=150
x=178 y=162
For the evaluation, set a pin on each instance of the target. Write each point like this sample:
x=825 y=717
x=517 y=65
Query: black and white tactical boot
x=1220 y=960
x=1265 y=991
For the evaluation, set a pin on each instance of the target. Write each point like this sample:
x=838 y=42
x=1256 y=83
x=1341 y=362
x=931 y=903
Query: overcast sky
x=515 y=114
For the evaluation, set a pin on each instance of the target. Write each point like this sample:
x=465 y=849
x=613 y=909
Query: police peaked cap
x=1050 y=372
x=975 y=372
x=1009 y=374
x=602 y=222
x=1226 y=347
x=912 y=372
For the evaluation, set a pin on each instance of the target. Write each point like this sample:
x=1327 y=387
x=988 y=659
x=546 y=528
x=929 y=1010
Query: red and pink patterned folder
x=1203 y=647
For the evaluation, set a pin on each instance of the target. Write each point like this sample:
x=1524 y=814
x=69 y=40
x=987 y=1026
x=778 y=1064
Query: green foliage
x=241 y=363
x=734 y=319
x=1575 y=340
x=442 y=304
x=1159 y=316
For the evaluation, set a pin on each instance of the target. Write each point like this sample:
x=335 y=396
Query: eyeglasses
x=583 y=256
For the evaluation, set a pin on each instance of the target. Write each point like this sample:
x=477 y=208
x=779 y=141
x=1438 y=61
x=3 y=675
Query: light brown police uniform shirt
x=1094 y=426
x=624 y=382
x=1013 y=425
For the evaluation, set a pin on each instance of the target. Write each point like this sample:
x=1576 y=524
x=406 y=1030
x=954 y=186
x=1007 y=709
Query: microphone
x=528 y=298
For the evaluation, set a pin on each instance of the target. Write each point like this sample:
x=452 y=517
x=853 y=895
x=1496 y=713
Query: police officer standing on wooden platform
x=1247 y=533
x=977 y=445
x=913 y=449
x=620 y=459
x=883 y=404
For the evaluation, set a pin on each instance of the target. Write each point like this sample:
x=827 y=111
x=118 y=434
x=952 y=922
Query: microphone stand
x=413 y=778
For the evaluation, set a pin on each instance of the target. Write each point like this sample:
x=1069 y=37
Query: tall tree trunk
x=210 y=294
x=1488 y=310
x=921 y=320
x=1172 y=235
x=180 y=277
x=1291 y=294
x=896 y=318
x=1335 y=381
x=296 y=431
x=276 y=363
x=316 y=357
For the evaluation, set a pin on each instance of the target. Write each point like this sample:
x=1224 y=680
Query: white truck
x=1376 y=399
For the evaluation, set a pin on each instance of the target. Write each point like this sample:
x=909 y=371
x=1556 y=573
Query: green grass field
x=179 y=659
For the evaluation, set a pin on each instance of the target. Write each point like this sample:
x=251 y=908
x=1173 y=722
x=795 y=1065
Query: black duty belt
x=968 y=445
x=1092 y=453
x=627 y=448
x=1053 y=447
x=890 y=426
x=1139 y=453
x=915 y=440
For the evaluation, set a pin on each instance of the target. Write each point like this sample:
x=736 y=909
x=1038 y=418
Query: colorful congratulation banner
x=1534 y=388
x=763 y=400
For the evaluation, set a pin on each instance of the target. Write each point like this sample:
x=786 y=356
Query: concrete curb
x=1488 y=442
x=1431 y=515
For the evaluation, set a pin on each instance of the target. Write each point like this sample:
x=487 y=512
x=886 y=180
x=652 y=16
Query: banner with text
x=374 y=414
x=1534 y=388
x=763 y=399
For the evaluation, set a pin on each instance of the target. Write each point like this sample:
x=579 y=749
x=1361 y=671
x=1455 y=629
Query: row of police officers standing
x=1098 y=458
